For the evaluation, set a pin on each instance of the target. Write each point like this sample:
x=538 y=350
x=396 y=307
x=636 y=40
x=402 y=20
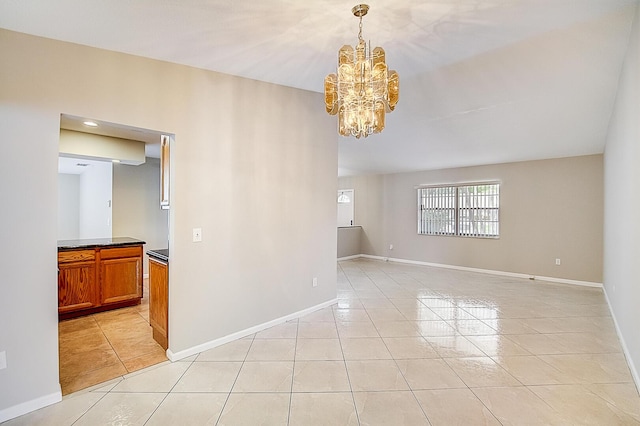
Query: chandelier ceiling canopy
x=363 y=89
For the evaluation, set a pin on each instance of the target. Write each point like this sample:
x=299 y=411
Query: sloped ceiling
x=482 y=81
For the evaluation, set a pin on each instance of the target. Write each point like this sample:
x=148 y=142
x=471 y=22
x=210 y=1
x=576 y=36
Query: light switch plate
x=197 y=235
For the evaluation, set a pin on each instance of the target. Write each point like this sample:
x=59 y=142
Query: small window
x=464 y=210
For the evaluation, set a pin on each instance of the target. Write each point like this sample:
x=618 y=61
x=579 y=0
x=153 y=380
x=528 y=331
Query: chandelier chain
x=360 y=30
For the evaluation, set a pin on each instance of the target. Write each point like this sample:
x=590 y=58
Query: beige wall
x=622 y=204
x=548 y=209
x=136 y=205
x=349 y=238
x=249 y=159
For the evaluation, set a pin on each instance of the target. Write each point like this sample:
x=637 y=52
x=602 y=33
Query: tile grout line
x=235 y=380
x=170 y=390
x=89 y=409
x=395 y=361
x=353 y=397
x=293 y=370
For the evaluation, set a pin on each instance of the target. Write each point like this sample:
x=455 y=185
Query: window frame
x=457 y=209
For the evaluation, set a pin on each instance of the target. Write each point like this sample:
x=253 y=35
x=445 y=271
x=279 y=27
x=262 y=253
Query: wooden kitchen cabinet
x=98 y=275
x=77 y=283
x=158 y=301
x=120 y=274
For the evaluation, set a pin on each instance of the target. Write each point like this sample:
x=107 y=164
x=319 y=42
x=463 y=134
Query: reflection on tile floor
x=103 y=346
x=405 y=345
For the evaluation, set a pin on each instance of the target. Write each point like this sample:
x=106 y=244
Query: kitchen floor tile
x=409 y=347
x=518 y=406
x=357 y=329
x=579 y=406
x=531 y=370
x=208 y=377
x=106 y=345
x=364 y=348
x=160 y=379
x=445 y=407
x=265 y=376
x=481 y=372
x=317 y=330
x=322 y=409
x=429 y=374
x=456 y=346
x=188 y=409
x=318 y=350
x=375 y=375
x=389 y=408
x=122 y=408
x=272 y=350
x=264 y=409
x=320 y=376
x=232 y=351
x=591 y=368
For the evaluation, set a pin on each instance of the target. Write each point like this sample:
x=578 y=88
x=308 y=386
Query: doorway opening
x=345 y=208
x=109 y=187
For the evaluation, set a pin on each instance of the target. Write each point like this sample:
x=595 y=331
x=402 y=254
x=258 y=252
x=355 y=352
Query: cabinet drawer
x=120 y=252
x=76 y=256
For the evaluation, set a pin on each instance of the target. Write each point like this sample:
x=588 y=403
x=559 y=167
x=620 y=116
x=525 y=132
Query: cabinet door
x=159 y=301
x=77 y=287
x=121 y=279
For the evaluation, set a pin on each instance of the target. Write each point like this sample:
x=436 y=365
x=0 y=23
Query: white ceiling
x=481 y=81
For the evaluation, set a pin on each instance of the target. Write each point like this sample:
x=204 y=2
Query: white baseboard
x=176 y=356
x=29 y=406
x=484 y=271
x=625 y=349
x=355 y=256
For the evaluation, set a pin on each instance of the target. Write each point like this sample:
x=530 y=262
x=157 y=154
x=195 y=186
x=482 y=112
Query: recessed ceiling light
x=90 y=123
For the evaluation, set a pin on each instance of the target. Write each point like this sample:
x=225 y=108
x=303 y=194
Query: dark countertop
x=160 y=254
x=97 y=242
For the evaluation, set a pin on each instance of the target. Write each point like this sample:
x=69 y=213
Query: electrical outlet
x=3 y=360
x=314 y=282
x=557 y=262
x=197 y=235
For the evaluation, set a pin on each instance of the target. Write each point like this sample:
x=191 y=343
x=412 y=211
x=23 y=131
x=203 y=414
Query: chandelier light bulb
x=363 y=89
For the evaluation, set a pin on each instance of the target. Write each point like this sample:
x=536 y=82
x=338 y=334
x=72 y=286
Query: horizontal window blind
x=464 y=210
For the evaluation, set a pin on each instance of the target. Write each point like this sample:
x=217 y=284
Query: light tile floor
x=405 y=345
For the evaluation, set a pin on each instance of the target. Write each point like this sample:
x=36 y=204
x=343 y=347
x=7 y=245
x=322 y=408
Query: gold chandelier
x=363 y=90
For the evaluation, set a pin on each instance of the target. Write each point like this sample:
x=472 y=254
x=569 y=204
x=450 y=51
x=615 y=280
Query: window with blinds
x=465 y=210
